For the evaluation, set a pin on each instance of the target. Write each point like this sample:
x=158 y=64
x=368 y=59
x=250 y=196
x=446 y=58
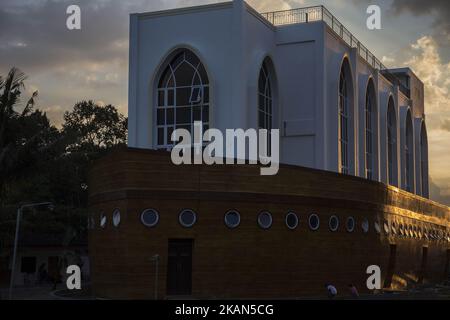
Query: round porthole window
x=333 y=223
x=232 y=219
x=386 y=227
x=116 y=217
x=187 y=218
x=350 y=224
x=314 y=222
x=291 y=220
x=91 y=222
x=265 y=220
x=365 y=225
x=103 y=221
x=150 y=217
x=376 y=226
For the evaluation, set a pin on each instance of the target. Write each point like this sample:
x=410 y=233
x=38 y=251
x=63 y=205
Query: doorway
x=391 y=265
x=447 y=266
x=423 y=266
x=179 y=267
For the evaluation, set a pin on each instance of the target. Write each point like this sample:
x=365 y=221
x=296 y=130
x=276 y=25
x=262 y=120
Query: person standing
x=353 y=291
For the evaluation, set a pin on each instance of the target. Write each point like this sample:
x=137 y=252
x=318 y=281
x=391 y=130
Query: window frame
x=335 y=229
x=149 y=225
x=312 y=215
x=229 y=225
x=187 y=225
x=343 y=123
x=166 y=115
x=350 y=218
x=261 y=224
x=297 y=220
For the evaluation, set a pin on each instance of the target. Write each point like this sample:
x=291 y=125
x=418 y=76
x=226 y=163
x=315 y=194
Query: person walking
x=331 y=291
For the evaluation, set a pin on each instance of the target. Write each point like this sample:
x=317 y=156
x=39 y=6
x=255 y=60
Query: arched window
x=265 y=102
x=424 y=160
x=391 y=141
x=370 y=126
x=343 y=123
x=409 y=152
x=183 y=96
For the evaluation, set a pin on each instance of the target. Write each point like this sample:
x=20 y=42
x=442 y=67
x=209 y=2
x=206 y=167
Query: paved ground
x=436 y=292
x=46 y=292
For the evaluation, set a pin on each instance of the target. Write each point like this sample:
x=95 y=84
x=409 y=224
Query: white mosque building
x=300 y=71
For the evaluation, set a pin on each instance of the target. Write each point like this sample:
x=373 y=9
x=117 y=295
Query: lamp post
x=156 y=259
x=16 y=238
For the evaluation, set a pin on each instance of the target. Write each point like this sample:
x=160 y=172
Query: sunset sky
x=68 y=66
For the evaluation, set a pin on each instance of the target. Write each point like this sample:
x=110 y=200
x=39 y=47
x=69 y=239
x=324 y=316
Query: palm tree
x=10 y=90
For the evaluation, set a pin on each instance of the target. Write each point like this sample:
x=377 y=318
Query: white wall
x=232 y=41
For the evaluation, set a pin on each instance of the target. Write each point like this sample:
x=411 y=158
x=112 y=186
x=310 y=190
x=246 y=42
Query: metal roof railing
x=320 y=13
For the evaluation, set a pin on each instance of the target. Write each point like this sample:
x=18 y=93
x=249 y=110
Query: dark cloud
x=420 y=7
x=67 y=66
x=34 y=34
x=439 y=8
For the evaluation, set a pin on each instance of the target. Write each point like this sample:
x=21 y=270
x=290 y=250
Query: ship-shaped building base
x=228 y=232
x=352 y=193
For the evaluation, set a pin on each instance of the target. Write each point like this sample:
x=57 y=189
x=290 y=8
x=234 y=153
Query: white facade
x=304 y=62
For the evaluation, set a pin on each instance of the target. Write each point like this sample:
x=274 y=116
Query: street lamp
x=16 y=238
x=155 y=258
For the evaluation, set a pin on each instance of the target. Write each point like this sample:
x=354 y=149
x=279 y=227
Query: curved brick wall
x=249 y=262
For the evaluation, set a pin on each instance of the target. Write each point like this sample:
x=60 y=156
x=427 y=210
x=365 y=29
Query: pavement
x=46 y=292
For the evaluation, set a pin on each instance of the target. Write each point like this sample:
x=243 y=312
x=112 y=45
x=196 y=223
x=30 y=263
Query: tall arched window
x=391 y=141
x=343 y=123
x=424 y=160
x=183 y=96
x=409 y=153
x=265 y=102
x=370 y=126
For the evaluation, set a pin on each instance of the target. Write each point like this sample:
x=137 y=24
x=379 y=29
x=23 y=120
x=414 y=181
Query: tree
x=38 y=162
x=91 y=127
x=20 y=132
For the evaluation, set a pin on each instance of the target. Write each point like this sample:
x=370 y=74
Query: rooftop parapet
x=320 y=13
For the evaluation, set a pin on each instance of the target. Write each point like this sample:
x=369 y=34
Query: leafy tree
x=90 y=127
x=38 y=162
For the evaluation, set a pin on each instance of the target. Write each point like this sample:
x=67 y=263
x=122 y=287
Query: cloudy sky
x=68 y=66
